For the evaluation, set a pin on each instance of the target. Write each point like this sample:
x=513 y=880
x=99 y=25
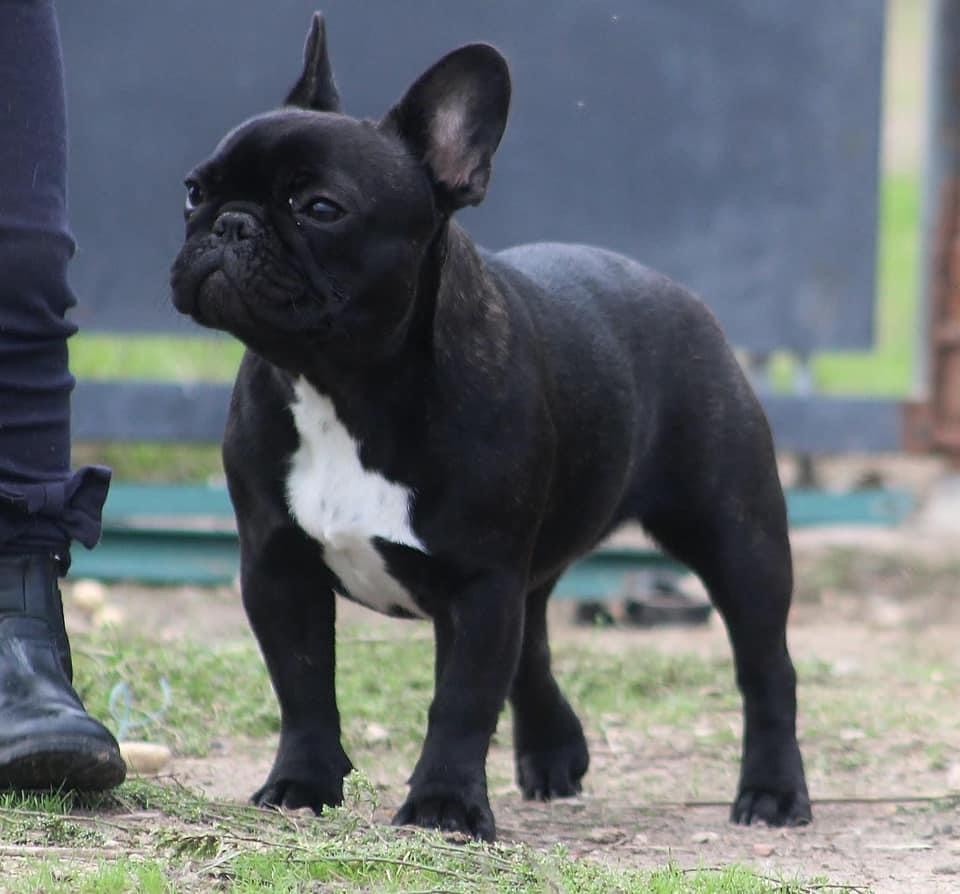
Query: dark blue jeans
x=43 y=505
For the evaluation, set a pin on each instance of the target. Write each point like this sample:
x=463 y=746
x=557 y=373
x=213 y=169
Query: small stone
x=704 y=837
x=845 y=667
x=763 y=850
x=852 y=735
x=953 y=778
x=88 y=595
x=144 y=758
x=108 y=616
x=604 y=835
x=886 y=614
x=375 y=734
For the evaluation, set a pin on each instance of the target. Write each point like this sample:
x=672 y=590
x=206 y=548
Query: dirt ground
x=876 y=828
x=625 y=815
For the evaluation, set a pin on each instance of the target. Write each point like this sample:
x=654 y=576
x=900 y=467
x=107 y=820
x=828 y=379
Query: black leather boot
x=47 y=739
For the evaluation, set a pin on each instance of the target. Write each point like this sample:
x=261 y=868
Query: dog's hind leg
x=550 y=748
x=734 y=536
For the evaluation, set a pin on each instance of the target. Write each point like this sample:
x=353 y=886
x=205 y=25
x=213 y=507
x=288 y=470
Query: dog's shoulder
x=259 y=426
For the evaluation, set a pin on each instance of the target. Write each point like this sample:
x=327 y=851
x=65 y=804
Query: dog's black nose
x=235 y=226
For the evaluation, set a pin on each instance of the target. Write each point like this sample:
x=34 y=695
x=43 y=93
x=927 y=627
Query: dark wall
x=732 y=144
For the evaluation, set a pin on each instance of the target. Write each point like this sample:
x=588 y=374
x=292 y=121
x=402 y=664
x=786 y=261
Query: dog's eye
x=195 y=195
x=323 y=210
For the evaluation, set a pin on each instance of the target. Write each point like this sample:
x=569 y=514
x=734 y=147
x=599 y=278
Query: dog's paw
x=754 y=806
x=452 y=813
x=293 y=794
x=553 y=773
x=288 y=788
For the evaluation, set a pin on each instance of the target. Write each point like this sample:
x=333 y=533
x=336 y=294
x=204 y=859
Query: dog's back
x=637 y=366
x=609 y=319
x=610 y=294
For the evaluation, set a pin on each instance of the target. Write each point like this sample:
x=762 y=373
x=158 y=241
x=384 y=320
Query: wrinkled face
x=305 y=233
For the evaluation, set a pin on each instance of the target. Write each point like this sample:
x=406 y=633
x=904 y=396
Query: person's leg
x=47 y=740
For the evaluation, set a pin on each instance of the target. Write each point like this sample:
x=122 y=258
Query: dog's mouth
x=209 y=287
x=190 y=276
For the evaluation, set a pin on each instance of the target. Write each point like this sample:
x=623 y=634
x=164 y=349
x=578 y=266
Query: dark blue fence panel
x=733 y=144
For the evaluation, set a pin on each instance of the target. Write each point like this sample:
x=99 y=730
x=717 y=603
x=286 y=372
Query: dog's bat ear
x=453 y=117
x=316 y=88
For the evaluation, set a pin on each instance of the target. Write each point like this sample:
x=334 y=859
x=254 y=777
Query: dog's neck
x=470 y=325
x=458 y=318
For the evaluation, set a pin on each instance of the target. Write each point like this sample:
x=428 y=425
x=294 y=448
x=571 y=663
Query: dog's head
x=307 y=230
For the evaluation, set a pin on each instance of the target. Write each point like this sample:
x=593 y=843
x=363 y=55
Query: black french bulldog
x=438 y=432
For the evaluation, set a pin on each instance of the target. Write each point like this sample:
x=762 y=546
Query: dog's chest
x=345 y=506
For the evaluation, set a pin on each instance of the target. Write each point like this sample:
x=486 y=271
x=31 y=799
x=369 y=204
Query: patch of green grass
x=29 y=819
x=164 y=358
x=854 y=725
x=852 y=570
x=224 y=690
x=196 y=845
x=154 y=358
x=398 y=869
x=638 y=688
x=215 y=690
x=123 y=876
x=161 y=463
x=643 y=686
x=49 y=803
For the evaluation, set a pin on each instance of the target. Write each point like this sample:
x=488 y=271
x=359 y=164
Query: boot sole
x=62 y=763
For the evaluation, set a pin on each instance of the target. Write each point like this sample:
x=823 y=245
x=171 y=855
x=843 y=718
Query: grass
x=160 y=836
x=191 y=844
x=636 y=687
x=154 y=357
x=201 y=708
x=850 y=570
x=642 y=692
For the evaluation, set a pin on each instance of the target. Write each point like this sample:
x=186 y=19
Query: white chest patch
x=344 y=506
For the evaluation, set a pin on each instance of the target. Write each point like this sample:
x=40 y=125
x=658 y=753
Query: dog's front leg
x=478 y=644
x=288 y=597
